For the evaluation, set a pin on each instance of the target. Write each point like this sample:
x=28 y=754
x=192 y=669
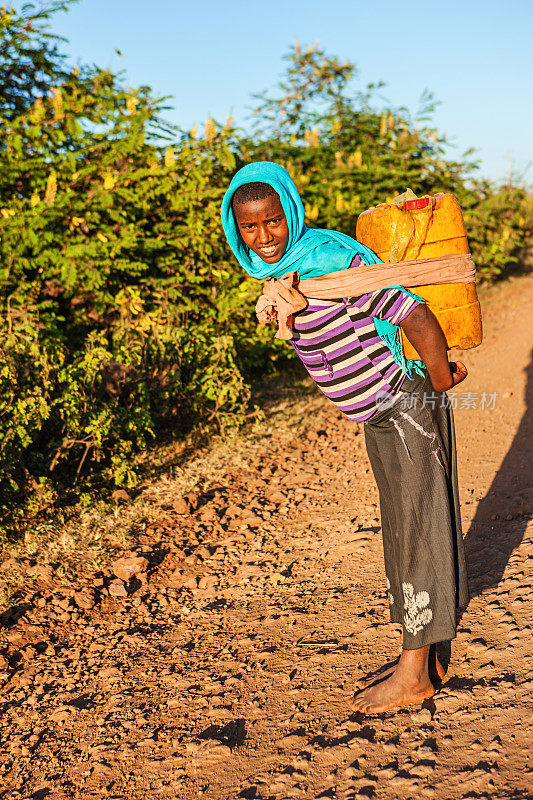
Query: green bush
x=498 y=222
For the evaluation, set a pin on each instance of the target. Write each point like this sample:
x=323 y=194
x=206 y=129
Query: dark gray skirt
x=410 y=442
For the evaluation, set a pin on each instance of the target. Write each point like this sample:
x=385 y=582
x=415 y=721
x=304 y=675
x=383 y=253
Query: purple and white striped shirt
x=338 y=344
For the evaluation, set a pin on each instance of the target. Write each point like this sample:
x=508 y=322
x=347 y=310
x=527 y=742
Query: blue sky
x=212 y=55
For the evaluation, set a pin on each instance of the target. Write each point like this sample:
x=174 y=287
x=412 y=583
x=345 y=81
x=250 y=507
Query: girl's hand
x=459 y=372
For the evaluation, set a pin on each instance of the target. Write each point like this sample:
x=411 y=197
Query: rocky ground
x=216 y=659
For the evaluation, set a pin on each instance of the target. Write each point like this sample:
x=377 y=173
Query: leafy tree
x=347 y=154
x=30 y=58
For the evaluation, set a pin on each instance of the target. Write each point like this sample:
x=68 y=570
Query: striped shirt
x=338 y=344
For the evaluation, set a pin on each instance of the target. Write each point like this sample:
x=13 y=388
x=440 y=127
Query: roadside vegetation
x=125 y=322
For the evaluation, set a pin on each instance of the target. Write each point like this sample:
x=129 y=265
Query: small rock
x=422 y=716
x=423 y=769
x=117 y=589
x=390 y=747
x=110 y=673
x=212 y=749
x=28 y=652
x=219 y=751
x=149 y=740
x=386 y=772
x=61 y=714
x=84 y=599
x=101 y=771
x=60 y=601
x=182 y=506
x=252 y=520
x=401 y=781
x=292 y=740
x=276 y=497
x=478 y=646
x=233 y=511
x=43 y=573
x=207 y=581
x=351 y=772
x=126 y=568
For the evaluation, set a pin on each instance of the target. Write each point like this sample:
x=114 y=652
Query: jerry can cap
x=412 y=205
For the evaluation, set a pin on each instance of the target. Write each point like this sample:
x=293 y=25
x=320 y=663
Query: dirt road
x=219 y=660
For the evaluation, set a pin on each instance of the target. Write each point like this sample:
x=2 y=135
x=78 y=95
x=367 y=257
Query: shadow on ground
x=493 y=536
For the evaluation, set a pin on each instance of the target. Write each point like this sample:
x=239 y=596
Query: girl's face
x=263 y=227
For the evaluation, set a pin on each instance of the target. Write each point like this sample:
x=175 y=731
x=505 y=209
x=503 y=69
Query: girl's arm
x=425 y=334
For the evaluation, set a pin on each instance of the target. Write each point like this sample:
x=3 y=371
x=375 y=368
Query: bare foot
x=409 y=683
x=375 y=677
x=436 y=673
x=392 y=692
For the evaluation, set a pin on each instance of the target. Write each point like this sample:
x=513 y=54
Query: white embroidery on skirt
x=391 y=598
x=417 y=614
x=420 y=429
x=402 y=437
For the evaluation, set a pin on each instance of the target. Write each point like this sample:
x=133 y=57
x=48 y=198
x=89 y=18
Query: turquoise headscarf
x=310 y=251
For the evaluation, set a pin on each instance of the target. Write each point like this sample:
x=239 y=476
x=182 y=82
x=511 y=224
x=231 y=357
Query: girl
x=409 y=430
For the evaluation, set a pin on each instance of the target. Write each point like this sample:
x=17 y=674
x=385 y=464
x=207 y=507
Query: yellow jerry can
x=424 y=227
